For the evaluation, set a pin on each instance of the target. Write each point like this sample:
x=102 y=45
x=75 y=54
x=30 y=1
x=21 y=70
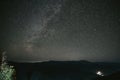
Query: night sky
x=62 y=30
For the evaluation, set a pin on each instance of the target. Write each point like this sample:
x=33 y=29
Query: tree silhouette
x=6 y=71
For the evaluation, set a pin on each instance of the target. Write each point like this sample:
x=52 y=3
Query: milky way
x=40 y=30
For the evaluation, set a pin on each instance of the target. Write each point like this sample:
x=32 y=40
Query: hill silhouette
x=63 y=70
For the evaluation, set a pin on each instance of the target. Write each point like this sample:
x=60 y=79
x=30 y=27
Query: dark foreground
x=66 y=70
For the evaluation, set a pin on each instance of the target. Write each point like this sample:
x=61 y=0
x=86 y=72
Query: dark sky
x=40 y=30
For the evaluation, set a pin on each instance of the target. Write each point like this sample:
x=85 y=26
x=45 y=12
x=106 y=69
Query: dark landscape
x=65 y=70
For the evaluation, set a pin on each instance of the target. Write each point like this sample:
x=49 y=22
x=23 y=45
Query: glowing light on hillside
x=99 y=73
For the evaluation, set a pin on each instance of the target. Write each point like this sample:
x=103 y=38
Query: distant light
x=99 y=73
